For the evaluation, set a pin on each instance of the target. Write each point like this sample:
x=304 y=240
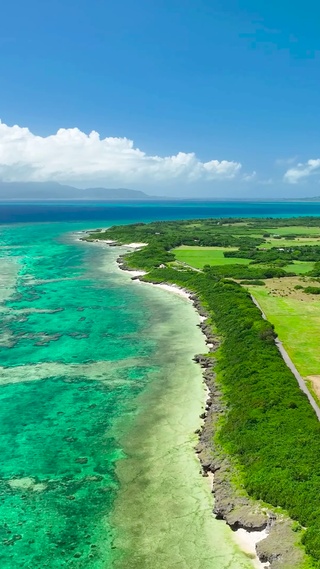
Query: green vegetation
x=302 y=268
x=269 y=427
x=297 y=322
x=285 y=254
x=291 y=227
x=253 y=282
x=312 y=289
x=151 y=256
x=286 y=243
x=198 y=257
x=315 y=272
x=239 y=272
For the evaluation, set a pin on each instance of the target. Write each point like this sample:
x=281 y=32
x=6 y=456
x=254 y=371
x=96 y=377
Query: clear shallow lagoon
x=99 y=399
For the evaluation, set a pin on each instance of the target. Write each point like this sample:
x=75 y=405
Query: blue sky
x=219 y=98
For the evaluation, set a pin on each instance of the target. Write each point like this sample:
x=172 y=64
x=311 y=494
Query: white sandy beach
x=247 y=541
x=134 y=273
x=173 y=288
x=134 y=245
x=170 y=288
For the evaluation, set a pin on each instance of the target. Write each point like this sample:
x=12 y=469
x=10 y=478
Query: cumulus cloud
x=250 y=177
x=71 y=155
x=302 y=171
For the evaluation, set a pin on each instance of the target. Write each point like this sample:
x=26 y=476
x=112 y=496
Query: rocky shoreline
x=277 y=548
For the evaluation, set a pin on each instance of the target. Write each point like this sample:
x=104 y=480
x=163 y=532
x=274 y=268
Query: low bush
x=253 y=282
x=312 y=289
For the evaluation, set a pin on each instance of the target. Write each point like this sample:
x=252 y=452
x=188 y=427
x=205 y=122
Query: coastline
x=268 y=539
x=161 y=517
x=250 y=526
x=186 y=327
x=264 y=535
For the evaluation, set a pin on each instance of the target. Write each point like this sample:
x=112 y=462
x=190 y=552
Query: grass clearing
x=282 y=243
x=199 y=256
x=300 y=267
x=199 y=248
x=296 y=317
x=292 y=230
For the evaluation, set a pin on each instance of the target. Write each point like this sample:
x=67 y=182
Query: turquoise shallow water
x=99 y=400
x=74 y=355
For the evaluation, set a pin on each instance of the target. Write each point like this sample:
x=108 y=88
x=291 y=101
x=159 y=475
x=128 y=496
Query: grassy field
x=199 y=256
x=296 y=317
x=200 y=248
x=296 y=229
x=299 y=242
x=300 y=268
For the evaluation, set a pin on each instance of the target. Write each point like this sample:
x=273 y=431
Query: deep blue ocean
x=128 y=212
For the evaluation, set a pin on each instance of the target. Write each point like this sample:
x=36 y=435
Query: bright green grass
x=199 y=256
x=200 y=248
x=292 y=230
x=297 y=322
x=300 y=268
x=297 y=267
x=198 y=224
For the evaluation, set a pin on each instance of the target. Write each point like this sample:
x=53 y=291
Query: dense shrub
x=253 y=282
x=315 y=271
x=150 y=257
x=276 y=254
x=312 y=289
x=240 y=272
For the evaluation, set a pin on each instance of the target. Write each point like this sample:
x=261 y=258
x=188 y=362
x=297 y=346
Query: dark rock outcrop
x=231 y=504
x=280 y=548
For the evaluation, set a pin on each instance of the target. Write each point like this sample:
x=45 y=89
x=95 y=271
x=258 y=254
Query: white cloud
x=73 y=156
x=250 y=177
x=301 y=171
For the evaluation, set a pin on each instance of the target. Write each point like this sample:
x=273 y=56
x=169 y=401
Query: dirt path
x=292 y=367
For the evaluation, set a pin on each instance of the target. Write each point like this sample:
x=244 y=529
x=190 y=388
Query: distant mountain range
x=53 y=191
x=30 y=191
x=315 y=199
